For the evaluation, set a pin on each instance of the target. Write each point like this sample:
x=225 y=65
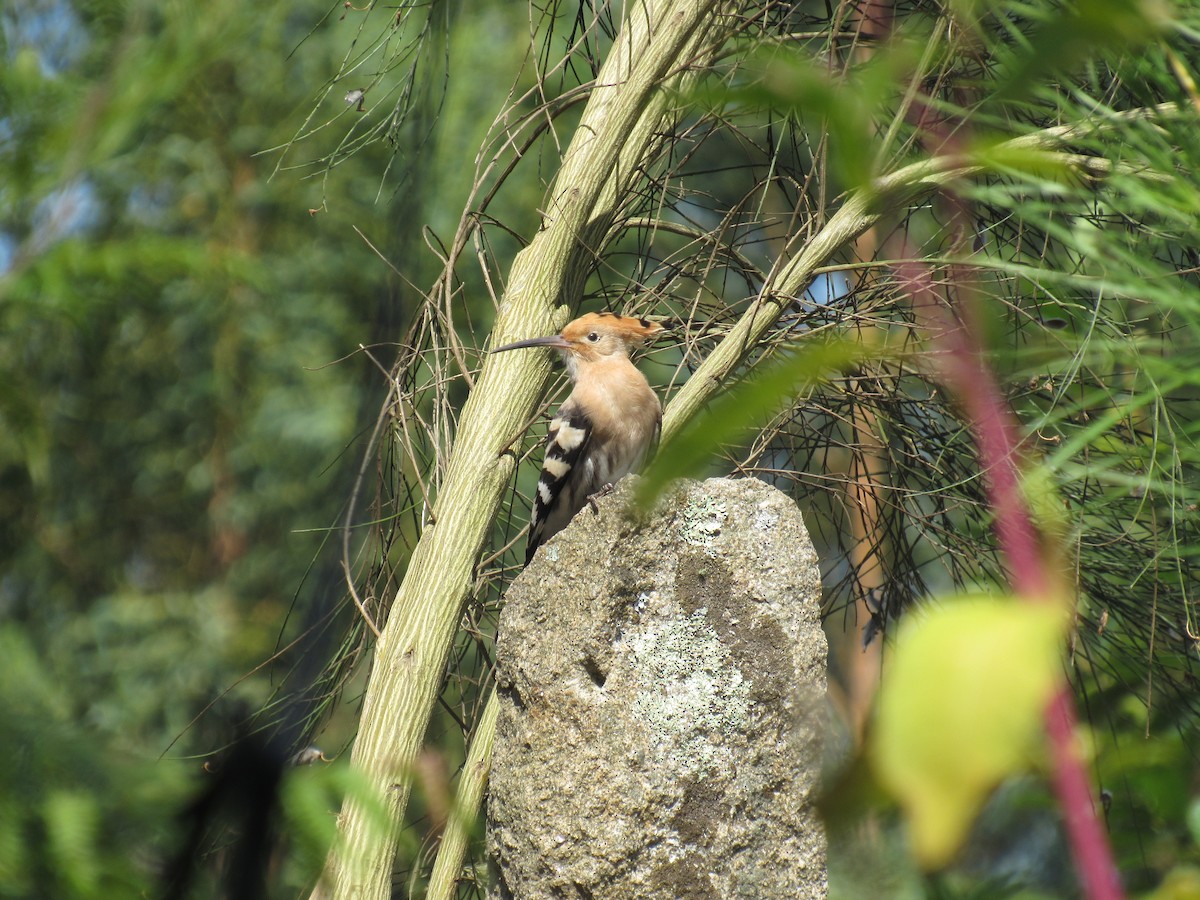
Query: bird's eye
x=593 y=337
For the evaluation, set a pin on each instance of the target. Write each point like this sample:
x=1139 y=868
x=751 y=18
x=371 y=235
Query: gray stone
x=661 y=685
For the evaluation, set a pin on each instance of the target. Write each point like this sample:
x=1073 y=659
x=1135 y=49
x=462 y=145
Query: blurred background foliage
x=190 y=265
x=198 y=232
x=177 y=411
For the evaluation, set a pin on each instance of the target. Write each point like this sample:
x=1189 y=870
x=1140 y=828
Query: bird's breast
x=626 y=426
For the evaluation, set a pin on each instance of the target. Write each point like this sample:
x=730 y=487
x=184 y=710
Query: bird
x=608 y=425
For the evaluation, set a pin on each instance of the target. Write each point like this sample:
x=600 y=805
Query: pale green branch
x=616 y=134
x=472 y=783
x=862 y=210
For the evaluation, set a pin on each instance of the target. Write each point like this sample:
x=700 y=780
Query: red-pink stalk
x=965 y=373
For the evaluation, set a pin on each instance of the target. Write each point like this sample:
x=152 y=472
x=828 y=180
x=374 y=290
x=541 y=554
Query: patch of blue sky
x=8 y=251
x=70 y=210
x=51 y=28
x=827 y=288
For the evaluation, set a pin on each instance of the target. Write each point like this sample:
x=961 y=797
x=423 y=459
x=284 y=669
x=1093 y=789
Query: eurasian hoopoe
x=605 y=429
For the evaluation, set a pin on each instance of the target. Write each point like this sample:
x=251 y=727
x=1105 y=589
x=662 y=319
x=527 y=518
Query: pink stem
x=967 y=375
x=1089 y=841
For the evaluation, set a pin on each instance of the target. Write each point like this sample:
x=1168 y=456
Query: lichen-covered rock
x=661 y=684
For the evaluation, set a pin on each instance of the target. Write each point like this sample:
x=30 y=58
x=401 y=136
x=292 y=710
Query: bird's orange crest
x=629 y=329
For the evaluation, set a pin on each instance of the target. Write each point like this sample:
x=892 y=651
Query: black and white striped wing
x=565 y=482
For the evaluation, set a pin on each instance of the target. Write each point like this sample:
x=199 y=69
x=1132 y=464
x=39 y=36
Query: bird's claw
x=602 y=492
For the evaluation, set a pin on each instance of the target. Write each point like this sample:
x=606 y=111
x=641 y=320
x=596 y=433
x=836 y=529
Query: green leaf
x=1000 y=156
x=843 y=104
x=741 y=408
x=14 y=858
x=960 y=708
x=1181 y=883
x=311 y=797
x=1082 y=31
x=1193 y=820
x=72 y=825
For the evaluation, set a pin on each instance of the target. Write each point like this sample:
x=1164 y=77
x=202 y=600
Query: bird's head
x=595 y=336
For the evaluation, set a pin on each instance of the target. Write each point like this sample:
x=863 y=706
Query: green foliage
x=844 y=105
x=171 y=430
x=71 y=811
x=311 y=796
x=743 y=408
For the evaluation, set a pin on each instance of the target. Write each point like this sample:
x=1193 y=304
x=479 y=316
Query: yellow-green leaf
x=72 y=821
x=960 y=708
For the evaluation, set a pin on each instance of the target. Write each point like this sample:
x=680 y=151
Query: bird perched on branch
x=605 y=429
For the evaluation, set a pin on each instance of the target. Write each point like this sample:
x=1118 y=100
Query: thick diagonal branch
x=618 y=132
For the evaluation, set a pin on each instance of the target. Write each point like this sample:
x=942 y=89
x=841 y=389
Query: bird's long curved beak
x=557 y=341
